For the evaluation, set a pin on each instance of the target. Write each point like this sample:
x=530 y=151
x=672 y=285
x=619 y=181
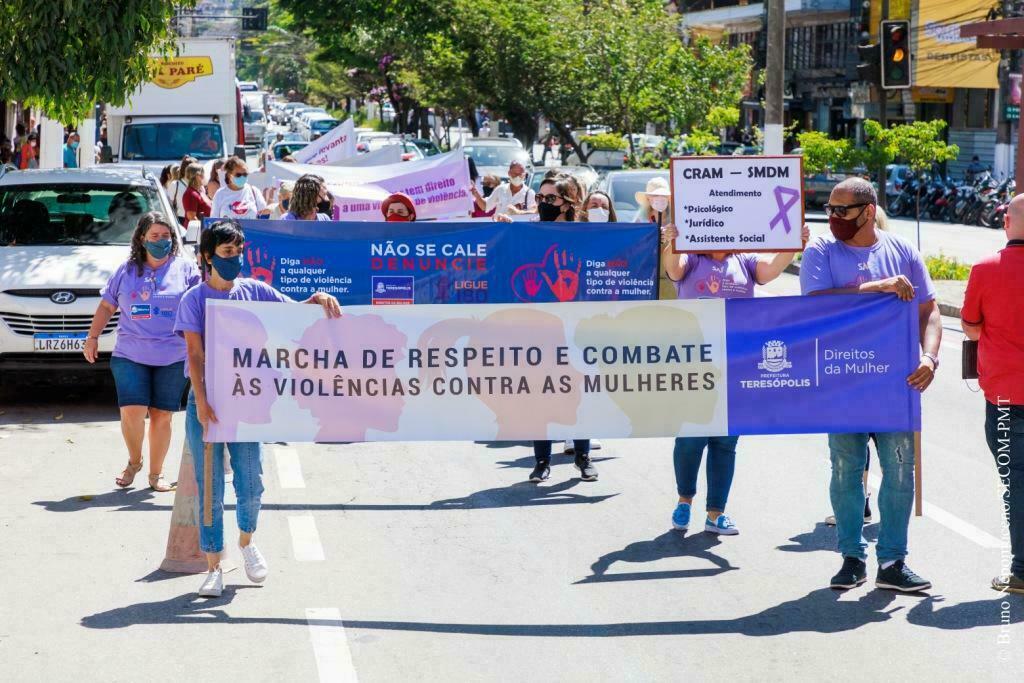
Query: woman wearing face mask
x=488 y=184
x=194 y=201
x=310 y=200
x=284 y=198
x=558 y=201
x=398 y=208
x=220 y=253
x=599 y=208
x=237 y=199
x=708 y=276
x=655 y=203
x=513 y=197
x=148 y=358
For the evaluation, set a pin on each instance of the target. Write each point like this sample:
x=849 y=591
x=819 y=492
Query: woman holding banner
x=148 y=357
x=220 y=254
x=558 y=200
x=704 y=276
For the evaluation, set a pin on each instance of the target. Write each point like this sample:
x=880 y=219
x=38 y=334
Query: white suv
x=63 y=233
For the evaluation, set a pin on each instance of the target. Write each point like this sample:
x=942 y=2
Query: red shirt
x=995 y=300
x=194 y=200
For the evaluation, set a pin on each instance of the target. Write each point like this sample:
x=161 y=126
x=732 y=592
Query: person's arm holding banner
x=675 y=265
x=770 y=267
x=196 y=360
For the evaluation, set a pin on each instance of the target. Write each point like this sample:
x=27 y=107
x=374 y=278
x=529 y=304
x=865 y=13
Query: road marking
x=306 y=544
x=289 y=471
x=949 y=520
x=330 y=645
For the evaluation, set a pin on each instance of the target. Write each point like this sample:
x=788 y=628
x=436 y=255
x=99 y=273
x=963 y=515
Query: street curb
x=951 y=310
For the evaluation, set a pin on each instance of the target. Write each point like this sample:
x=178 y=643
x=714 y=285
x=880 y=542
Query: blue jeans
x=721 y=465
x=542 y=449
x=247 y=463
x=895 y=498
x=1004 y=431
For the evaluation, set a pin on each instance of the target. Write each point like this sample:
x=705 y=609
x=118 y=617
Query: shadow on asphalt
x=671 y=544
x=528 y=462
x=518 y=495
x=820 y=611
x=823 y=537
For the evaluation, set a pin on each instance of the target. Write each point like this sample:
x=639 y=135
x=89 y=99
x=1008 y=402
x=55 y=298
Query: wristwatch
x=933 y=359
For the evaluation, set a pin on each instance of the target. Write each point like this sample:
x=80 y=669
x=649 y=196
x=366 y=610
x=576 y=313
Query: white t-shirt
x=241 y=204
x=503 y=197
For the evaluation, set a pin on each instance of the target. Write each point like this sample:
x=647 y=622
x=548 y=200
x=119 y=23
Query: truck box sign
x=177 y=71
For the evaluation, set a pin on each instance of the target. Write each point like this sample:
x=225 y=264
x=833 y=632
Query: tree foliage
x=64 y=56
x=821 y=153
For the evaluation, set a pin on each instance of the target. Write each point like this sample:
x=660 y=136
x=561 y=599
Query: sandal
x=159 y=484
x=128 y=476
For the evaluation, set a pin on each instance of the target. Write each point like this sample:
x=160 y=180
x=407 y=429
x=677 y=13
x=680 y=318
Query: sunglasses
x=549 y=198
x=841 y=210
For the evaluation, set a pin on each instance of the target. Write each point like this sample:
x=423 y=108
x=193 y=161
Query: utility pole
x=883 y=94
x=775 y=76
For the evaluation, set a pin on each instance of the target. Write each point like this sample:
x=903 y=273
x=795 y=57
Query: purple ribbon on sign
x=785 y=198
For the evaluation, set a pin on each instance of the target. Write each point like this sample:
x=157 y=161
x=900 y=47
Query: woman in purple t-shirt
x=713 y=275
x=148 y=357
x=220 y=253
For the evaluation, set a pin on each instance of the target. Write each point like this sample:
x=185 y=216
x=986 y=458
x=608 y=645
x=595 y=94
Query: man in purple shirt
x=859 y=258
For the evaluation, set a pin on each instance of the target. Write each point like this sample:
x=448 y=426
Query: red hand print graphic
x=567 y=281
x=714 y=284
x=531 y=281
x=258 y=268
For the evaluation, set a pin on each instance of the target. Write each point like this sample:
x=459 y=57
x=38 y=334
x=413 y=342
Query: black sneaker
x=541 y=472
x=867 y=509
x=853 y=574
x=587 y=470
x=1009 y=584
x=899 y=577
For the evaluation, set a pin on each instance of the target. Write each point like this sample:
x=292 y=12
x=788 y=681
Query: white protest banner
x=388 y=154
x=738 y=203
x=339 y=143
x=438 y=185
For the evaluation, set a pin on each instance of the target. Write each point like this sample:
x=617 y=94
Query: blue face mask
x=74 y=145
x=227 y=268
x=158 y=249
x=240 y=180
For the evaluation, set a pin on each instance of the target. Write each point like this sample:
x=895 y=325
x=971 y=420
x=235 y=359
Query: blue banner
x=832 y=364
x=441 y=263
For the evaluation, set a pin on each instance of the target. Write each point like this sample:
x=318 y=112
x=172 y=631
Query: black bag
x=969 y=359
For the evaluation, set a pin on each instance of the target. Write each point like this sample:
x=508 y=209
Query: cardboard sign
x=738 y=203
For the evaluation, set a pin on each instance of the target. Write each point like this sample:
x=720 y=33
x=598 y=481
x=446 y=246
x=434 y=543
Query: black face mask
x=548 y=212
x=324 y=207
x=488 y=190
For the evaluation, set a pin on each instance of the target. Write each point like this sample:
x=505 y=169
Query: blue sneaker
x=681 y=517
x=723 y=525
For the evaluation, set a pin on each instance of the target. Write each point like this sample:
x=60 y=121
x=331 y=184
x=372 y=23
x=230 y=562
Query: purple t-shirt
x=192 y=311
x=733 y=277
x=292 y=217
x=148 y=304
x=830 y=264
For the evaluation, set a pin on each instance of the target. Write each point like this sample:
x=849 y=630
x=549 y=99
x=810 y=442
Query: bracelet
x=933 y=359
x=96 y=339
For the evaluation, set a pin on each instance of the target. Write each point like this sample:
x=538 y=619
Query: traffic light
x=895 y=54
x=254 y=18
x=869 y=68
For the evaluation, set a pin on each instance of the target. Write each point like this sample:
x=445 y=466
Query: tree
x=64 y=57
x=821 y=153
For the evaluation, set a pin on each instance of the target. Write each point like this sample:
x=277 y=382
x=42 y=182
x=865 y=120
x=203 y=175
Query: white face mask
x=659 y=203
x=597 y=215
x=516 y=181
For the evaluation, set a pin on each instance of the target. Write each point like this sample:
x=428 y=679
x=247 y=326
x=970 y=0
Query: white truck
x=192 y=106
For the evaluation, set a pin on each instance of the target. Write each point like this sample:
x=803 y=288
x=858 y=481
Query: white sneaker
x=255 y=564
x=213 y=584
x=569 y=447
x=595 y=445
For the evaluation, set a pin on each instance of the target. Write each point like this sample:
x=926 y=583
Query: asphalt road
x=437 y=561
